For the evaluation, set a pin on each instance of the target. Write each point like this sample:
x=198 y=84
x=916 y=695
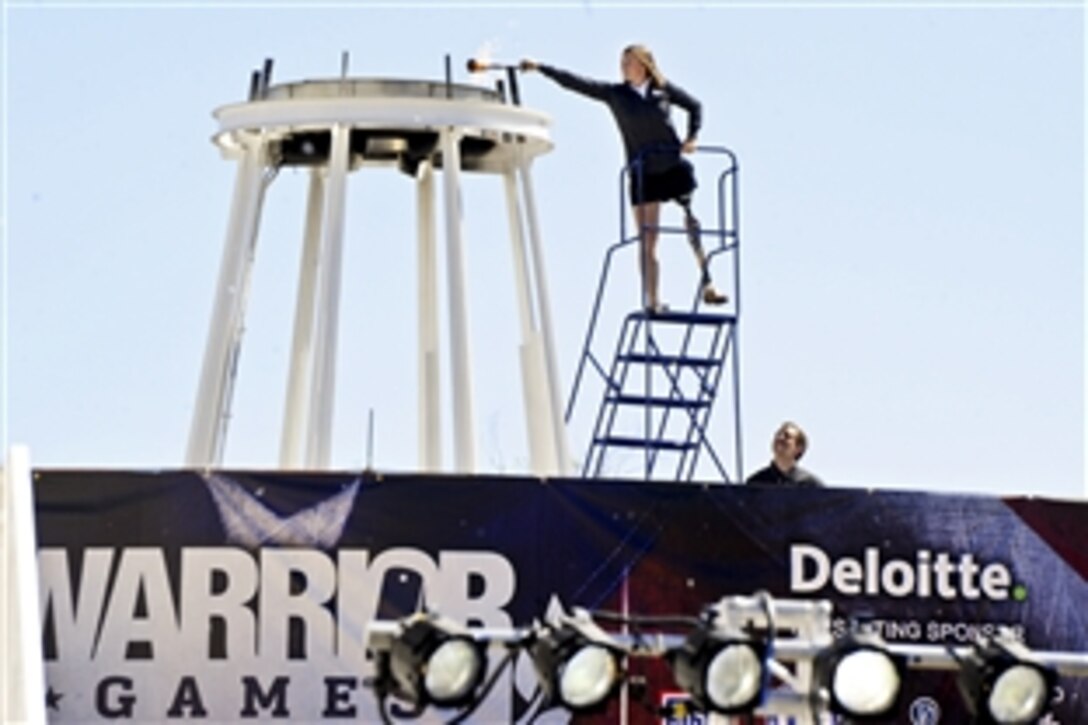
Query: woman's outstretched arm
x=586 y=86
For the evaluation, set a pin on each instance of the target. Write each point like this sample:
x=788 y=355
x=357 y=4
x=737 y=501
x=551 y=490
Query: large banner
x=226 y=596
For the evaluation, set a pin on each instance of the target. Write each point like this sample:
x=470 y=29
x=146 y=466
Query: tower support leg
x=209 y=424
x=319 y=444
x=559 y=433
x=296 y=410
x=430 y=420
x=535 y=398
x=464 y=430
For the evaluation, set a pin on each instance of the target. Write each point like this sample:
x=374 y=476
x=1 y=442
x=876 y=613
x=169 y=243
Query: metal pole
x=302 y=348
x=266 y=77
x=738 y=434
x=648 y=388
x=208 y=427
x=22 y=668
x=512 y=77
x=370 y=440
x=463 y=423
x=324 y=379
x=559 y=432
x=1084 y=150
x=430 y=419
x=533 y=372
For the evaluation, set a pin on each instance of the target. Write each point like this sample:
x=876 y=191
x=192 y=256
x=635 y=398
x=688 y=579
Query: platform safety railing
x=724 y=238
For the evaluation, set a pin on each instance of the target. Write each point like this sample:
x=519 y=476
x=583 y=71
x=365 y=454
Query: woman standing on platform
x=641 y=106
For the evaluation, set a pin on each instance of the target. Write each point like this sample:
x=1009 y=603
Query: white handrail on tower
x=22 y=676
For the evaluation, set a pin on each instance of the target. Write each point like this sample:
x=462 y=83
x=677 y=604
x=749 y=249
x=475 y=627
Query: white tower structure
x=333 y=127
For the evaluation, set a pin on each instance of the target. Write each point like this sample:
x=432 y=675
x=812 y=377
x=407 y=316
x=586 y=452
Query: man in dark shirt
x=790 y=443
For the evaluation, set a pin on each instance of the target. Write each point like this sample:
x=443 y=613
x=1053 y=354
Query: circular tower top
x=392 y=122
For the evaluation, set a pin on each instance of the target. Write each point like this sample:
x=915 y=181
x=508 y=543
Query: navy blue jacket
x=643 y=121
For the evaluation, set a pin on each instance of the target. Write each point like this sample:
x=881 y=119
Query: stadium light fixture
x=578 y=664
x=432 y=661
x=860 y=677
x=1003 y=683
x=722 y=674
x=725 y=663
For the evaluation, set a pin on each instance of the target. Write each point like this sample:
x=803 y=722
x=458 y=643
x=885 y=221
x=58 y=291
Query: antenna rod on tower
x=266 y=77
x=512 y=77
x=370 y=441
x=449 y=77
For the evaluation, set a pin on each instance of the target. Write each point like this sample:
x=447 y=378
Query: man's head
x=789 y=445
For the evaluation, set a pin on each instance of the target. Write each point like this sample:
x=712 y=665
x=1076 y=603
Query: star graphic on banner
x=555 y=610
x=250 y=523
x=52 y=699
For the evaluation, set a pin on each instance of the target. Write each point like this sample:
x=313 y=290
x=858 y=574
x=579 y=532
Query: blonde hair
x=643 y=55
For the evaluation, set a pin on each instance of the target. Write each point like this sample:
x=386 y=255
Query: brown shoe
x=712 y=296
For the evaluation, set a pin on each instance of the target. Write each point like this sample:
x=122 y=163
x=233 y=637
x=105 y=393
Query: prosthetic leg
x=711 y=295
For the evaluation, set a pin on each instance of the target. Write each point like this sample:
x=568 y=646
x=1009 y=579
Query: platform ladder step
x=682 y=318
x=656 y=401
x=675 y=398
x=661 y=445
x=678 y=360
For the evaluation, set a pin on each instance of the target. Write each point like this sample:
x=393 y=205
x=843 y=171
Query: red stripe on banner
x=1057 y=523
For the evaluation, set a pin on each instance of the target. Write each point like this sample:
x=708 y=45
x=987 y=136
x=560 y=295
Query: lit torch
x=476 y=65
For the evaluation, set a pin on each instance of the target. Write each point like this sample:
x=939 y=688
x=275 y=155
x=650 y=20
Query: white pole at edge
x=22 y=666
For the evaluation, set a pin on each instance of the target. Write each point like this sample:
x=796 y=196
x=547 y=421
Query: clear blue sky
x=913 y=209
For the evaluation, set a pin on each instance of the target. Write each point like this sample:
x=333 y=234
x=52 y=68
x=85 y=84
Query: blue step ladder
x=668 y=368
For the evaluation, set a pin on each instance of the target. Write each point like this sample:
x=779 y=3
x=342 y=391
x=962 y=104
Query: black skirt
x=675 y=182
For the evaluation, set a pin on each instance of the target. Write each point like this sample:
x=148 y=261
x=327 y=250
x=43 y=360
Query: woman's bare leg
x=647 y=217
